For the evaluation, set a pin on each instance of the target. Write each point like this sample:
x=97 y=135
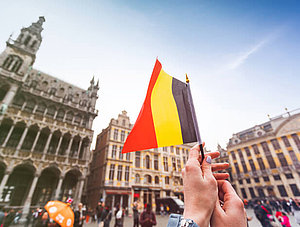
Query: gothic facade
x=45 y=128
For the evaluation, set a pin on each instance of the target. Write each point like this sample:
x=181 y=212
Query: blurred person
x=106 y=216
x=284 y=220
x=2 y=215
x=147 y=217
x=119 y=216
x=9 y=217
x=204 y=192
x=79 y=216
x=136 y=214
x=99 y=209
x=296 y=210
x=43 y=220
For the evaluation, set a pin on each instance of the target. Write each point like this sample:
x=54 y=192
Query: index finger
x=194 y=152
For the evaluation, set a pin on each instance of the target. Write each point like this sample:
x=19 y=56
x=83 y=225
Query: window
x=127 y=173
x=261 y=192
x=265 y=148
x=177 y=150
x=167 y=180
x=122 y=135
x=127 y=156
x=282 y=159
x=156 y=180
x=248 y=180
x=275 y=144
x=137 y=178
x=166 y=164
x=148 y=179
x=233 y=155
x=271 y=161
x=244 y=193
x=295 y=189
x=294 y=157
x=256 y=179
x=255 y=148
x=240 y=154
x=123 y=122
x=252 y=193
x=116 y=132
x=237 y=168
x=184 y=160
x=178 y=164
x=282 y=190
x=247 y=151
x=296 y=140
x=266 y=179
x=252 y=165
x=241 y=181
x=30 y=105
x=60 y=115
x=261 y=164
x=173 y=164
x=286 y=141
x=12 y=63
x=172 y=149
x=119 y=175
x=112 y=171
x=138 y=159
x=114 y=151
x=52 y=91
x=244 y=167
x=27 y=40
x=69 y=116
x=147 y=162
x=165 y=149
x=156 y=162
x=277 y=177
x=289 y=176
x=120 y=153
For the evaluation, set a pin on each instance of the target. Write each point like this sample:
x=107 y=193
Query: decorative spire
x=97 y=85
x=92 y=81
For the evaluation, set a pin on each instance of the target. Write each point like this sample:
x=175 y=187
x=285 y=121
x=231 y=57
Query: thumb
x=206 y=167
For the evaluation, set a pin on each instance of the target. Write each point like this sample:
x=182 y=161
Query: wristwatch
x=176 y=220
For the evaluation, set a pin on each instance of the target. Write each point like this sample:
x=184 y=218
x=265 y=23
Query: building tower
x=45 y=129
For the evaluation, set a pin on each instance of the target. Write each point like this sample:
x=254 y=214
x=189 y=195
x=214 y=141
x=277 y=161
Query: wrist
x=201 y=218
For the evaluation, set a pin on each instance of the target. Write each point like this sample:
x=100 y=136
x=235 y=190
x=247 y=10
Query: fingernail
x=208 y=159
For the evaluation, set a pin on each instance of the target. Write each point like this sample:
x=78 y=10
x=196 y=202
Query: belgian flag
x=167 y=116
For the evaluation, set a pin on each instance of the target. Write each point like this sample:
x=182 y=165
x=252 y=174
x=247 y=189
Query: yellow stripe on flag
x=164 y=111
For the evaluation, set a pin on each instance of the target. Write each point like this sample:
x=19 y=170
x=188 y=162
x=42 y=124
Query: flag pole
x=190 y=98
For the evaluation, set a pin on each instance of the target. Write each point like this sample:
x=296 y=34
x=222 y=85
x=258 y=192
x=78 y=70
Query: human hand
x=232 y=213
x=200 y=188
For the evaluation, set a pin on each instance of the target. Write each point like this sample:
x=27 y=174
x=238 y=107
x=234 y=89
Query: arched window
x=27 y=40
x=148 y=179
x=19 y=100
x=147 y=162
x=60 y=114
x=61 y=92
x=137 y=178
x=52 y=91
x=156 y=180
x=78 y=119
x=12 y=63
x=51 y=111
x=30 y=105
x=33 y=44
x=167 y=180
x=44 y=86
x=41 y=108
x=69 y=117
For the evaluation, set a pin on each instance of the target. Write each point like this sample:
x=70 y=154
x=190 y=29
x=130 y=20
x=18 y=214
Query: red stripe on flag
x=142 y=135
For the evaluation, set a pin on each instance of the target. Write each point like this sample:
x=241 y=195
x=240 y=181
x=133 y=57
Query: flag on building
x=167 y=115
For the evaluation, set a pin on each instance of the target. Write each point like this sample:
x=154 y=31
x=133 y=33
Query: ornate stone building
x=144 y=175
x=45 y=128
x=265 y=158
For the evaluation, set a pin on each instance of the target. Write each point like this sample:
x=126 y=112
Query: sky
x=242 y=57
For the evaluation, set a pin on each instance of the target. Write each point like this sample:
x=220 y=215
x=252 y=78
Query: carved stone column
x=22 y=138
x=10 y=94
x=69 y=146
x=48 y=142
x=58 y=188
x=27 y=203
x=35 y=140
x=4 y=181
x=79 y=147
x=58 y=145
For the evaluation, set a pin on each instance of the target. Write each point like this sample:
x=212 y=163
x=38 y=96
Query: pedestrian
x=136 y=214
x=162 y=209
x=119 y=216
x=296 y=210
x=106 y=216
x=99 y=209
x=2 y=215
x=9 y=218
x=79 y=216
x=208 y=200
x=147 y=217
x=43 y=220
x=284 y=220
